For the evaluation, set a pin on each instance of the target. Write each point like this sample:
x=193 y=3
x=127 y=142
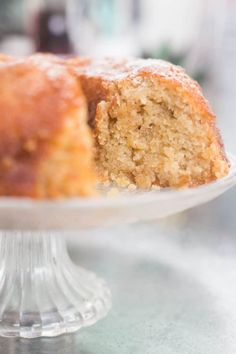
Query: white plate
x=126 y=207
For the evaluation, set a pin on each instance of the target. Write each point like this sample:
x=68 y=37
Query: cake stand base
x=42 y=293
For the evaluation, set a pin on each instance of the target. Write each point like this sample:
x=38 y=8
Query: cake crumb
x=156 y=188
x=132 y=187
x=107 y=184
x=113 y=192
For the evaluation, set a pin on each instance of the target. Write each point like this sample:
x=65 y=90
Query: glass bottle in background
x=103 y=27
x=48 y=27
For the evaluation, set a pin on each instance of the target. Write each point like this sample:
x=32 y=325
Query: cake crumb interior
x=148 y=135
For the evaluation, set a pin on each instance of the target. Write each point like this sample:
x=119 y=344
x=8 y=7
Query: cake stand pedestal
x=42 y=293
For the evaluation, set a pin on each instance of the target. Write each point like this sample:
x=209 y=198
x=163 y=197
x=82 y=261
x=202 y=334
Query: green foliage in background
x=11 y=16
x=165 y=52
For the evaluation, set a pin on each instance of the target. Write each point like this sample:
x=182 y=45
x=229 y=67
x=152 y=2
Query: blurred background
x=187 y=263
x=197 y=34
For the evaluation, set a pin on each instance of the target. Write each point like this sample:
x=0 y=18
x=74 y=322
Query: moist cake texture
x=152 y=127
x=151 y=123
x=45 y=142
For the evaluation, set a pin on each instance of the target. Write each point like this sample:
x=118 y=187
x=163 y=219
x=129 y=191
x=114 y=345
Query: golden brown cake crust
x=103 y=79
x=5 y=58
x=39 y=98
x=109 y=70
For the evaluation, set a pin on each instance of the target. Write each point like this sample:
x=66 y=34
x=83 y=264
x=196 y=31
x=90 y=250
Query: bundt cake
x=150 y=121
x=151 y=124
x=45 y=141
x=5 y=58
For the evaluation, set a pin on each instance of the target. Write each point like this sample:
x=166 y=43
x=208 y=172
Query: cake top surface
x=36 y=96
x=44 y=73
x=120 y=69
x=136 y=69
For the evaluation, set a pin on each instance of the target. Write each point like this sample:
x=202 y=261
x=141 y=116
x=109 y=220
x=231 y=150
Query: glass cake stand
x=42 y=293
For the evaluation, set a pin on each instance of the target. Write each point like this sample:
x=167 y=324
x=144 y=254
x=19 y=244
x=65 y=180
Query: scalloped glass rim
x=125 y=197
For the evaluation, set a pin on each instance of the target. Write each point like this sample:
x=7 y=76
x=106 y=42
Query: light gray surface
x=173 y=285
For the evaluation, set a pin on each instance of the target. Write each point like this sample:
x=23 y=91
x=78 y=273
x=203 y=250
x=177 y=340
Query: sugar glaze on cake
x=46 y=144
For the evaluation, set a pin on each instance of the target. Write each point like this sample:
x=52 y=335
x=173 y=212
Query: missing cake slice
x=152 y=125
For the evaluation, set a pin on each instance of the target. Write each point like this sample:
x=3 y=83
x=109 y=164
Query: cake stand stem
x=42 y=293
